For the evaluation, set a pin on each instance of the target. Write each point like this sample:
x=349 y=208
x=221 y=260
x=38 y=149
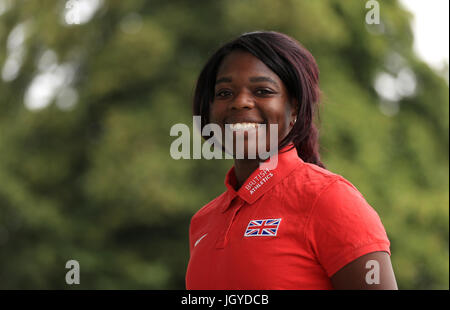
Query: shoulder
x=309 y=181
x=318 y=188
x=330 y=192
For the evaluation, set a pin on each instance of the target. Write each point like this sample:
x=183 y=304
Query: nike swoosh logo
x=199 y=239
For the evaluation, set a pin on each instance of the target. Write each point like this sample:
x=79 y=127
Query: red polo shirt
x=291 y=227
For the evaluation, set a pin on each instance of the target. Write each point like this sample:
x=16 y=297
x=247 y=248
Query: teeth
x=243 y=126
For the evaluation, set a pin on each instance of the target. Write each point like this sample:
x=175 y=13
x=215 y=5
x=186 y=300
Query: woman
x=294 y=225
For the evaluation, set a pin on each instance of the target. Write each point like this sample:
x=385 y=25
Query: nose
x=243 y=100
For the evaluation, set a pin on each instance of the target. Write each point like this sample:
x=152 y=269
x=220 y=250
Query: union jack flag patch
x=267 y=227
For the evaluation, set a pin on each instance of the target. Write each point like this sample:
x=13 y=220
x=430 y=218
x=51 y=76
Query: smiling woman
x=282 y=67
x=292 y=226
x=248 y=94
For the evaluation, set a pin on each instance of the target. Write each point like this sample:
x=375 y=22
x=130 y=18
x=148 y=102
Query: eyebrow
x=254 y=79
x=223 y=80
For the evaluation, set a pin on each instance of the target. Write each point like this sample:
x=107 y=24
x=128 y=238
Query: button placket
x=223 y=239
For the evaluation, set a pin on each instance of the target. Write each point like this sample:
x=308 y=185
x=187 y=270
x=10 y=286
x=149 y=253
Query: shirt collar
x=262 y=180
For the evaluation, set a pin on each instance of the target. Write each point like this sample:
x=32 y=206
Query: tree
x=86 y=110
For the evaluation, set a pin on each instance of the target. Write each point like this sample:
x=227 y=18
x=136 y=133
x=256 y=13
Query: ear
x=294 y=112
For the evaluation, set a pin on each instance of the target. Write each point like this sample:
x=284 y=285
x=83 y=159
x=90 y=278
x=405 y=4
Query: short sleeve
x=343 y=227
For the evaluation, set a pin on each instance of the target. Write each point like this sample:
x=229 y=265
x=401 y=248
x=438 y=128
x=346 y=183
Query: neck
x=243 y=168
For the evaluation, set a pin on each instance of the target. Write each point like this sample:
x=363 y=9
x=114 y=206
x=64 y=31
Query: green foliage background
x=96 y=182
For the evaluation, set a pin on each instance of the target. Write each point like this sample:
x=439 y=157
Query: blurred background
x=89 y=90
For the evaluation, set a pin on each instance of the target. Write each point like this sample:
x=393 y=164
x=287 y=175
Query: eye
x=264 y=92
x=223 y=93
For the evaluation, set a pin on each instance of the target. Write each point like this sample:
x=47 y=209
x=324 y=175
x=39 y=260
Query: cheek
x=215 y=112
x=279 y=115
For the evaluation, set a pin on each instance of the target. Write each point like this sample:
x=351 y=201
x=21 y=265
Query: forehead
x=244 y=63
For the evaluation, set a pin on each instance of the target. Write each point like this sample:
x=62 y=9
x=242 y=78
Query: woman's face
x=247 y=93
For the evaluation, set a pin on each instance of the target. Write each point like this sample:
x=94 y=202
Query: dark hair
x=295 y=66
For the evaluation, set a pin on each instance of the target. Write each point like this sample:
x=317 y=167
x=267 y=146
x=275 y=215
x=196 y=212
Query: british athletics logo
x=267 y=227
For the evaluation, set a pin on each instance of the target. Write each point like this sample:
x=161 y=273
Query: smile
x=244 y=126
